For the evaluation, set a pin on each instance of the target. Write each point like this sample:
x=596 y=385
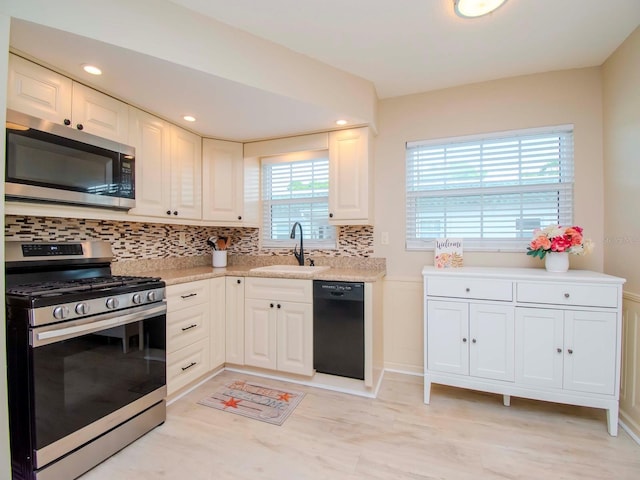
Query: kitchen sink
x=284 y=269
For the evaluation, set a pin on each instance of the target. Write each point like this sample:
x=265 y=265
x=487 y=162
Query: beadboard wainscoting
x=403 y=325
x=630 y=381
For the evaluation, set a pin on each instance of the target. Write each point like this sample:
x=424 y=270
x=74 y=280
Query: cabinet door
x=186 y=173
x=349 y=176
x=590 y=351
x=295 y=337
x=222 y=181
x=260 y=334
x=151 y=138
x=234 y=334
x=448 y=337
x=491 y=330
x=539 y=347
x=217 y=333
x=38 y=91
x=99 y=114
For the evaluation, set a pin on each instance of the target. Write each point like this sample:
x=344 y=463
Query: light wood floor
x=461 y=435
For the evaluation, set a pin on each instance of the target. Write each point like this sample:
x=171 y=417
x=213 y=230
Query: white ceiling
x=401 y=46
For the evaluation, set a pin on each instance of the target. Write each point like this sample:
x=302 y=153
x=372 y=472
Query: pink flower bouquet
x=556 y=238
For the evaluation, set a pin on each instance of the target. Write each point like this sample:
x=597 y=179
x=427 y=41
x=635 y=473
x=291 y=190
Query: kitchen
x=589 y=98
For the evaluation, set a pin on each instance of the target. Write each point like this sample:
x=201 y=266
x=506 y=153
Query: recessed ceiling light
x=92 y=69
x=189 y=118
x=341 y=122
x=475 y=8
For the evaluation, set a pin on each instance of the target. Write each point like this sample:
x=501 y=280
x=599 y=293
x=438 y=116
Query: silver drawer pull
x=566 y=295
x=188 y=296
x=184 y=329
x=189 y=366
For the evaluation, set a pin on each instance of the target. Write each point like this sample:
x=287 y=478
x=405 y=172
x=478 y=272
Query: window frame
x=270 y=243
x=565 y=187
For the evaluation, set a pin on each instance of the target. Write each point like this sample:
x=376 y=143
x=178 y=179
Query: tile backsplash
x=140 y=240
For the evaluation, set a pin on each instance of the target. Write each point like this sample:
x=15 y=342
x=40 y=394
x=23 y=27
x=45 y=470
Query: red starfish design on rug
x=284 y=396
x=232 y=402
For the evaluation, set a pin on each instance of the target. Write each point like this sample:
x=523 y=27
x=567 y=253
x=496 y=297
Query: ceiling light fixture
x=92 y=69
x=341 y=122
x=475 y=8
x=189 y=118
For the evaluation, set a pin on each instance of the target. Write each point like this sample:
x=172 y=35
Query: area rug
x=271 y=405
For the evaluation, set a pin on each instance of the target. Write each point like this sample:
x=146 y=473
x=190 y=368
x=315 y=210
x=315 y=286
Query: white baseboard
x=631 y=433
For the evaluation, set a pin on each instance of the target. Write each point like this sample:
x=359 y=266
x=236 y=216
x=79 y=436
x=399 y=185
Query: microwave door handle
x=102 y=322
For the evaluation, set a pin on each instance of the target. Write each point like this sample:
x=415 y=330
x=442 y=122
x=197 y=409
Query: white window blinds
x=295 y=188
x=492 y=191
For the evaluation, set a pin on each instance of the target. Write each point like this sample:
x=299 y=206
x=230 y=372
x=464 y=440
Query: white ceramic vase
x=556 y=262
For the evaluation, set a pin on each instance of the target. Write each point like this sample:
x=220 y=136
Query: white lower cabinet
x=525 y=333
x=217 y=328
x=471 y=339
x=234 y=332
x=278 y=328
x=188 y=344
x=574 y=350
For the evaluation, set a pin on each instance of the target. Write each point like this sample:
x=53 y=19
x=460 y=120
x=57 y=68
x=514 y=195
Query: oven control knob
x=137 y=298
x=82 y=309
x=60 y=312
x=112 y=303
x=151 y=296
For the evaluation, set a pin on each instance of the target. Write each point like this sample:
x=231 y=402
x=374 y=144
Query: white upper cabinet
x=151 y=138
x=186 y=174
x=99 y=114
x=168 y=168
x=350 y=177
x=39 y=92
x=222 y=181
x=45 y=94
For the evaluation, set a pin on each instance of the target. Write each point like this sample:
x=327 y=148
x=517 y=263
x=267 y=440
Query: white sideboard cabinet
x=525 y=332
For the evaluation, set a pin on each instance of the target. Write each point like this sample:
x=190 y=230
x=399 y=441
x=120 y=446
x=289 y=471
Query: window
x=295 y=188
x=490 y=190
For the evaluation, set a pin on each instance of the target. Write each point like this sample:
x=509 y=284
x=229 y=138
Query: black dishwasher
x=338 y=328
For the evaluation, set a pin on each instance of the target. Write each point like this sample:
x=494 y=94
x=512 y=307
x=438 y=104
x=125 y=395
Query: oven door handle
x=57 y=333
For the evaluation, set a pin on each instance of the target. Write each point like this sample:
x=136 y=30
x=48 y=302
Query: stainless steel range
x=86 y=357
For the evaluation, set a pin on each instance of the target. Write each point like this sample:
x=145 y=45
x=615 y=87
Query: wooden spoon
x=221 y=243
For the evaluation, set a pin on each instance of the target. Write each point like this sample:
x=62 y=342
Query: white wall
x=621 y=80
x=555 y=98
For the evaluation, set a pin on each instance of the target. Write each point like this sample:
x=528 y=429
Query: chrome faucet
x=299 y=255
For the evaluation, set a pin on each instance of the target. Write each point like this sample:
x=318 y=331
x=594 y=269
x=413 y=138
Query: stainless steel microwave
x=55 y=163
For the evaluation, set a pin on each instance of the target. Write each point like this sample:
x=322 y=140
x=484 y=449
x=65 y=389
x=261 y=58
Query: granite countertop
x=181 y=272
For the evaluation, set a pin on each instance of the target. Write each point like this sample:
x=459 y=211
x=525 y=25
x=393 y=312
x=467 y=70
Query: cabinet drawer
x=559 y=294
x=470 y=288
x=187 y=294
x=187 y=326
x=187 y=364
x=283 y=289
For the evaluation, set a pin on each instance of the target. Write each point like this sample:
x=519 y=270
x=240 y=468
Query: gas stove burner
x=53 y=288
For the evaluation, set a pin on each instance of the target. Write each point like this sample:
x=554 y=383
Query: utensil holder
x=219 y=258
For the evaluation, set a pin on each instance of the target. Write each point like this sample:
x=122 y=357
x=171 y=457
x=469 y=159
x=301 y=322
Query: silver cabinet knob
x=82 y=308
x=559 y=350
x=112 y=303
x=464 y=340
x=467 y=289
x=570 y=351
x=566 y=295
x=60 y=312
x=474 y=341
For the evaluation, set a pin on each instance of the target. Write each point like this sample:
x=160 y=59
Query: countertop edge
x=184 y=275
